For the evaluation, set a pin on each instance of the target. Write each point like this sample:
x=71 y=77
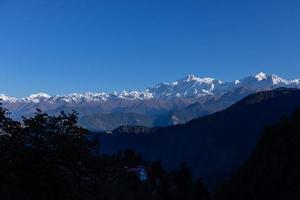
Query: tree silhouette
x=51 y=157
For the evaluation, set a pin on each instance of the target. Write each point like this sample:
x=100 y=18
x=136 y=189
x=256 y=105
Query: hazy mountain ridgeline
x=213 y=146
x=110 y=121
x=165 y=104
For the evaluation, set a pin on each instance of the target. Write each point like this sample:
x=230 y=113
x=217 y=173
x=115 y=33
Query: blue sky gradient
x=65 y=46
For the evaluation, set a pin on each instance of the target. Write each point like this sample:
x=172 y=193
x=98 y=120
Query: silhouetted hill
x=273 y=171
x=50 y=158
x=215 y=145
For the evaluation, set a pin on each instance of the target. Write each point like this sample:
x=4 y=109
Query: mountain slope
x=181 y=116
x=213 y=145
x=113 y=120
x=272 y=172
x=165 y=100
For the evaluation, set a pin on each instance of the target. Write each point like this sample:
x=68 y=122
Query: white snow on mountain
x=160 y=98
x=261 y=76
x=5 y=98
x=264 y=81
x=36 y=98
x=188 y=87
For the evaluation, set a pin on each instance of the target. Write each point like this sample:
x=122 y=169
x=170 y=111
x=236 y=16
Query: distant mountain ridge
x=171 y=100
x=188 y=87
x=214 y=145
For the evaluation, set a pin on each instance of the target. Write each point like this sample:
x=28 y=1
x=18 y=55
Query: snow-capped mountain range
x=211 y=93
x=188 y=87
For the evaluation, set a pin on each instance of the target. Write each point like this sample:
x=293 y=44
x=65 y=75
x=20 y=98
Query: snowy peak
x=274 y=79
x=5 y=98
x=193 y=78
x=40 y=95
x=190 y=78
x=278 y=80
x=134 y=95
x=190 y=87
x=263 y=81
x=164 y=98
x=261 y=76
x=36 y=98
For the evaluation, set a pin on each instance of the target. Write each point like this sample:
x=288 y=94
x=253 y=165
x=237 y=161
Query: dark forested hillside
x=215 y=145
x=273 y=171
x=50 y=158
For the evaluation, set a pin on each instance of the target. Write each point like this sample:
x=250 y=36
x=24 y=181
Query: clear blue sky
x=64 y=46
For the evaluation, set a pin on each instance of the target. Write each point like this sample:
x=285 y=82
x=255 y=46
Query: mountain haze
x=162 y=105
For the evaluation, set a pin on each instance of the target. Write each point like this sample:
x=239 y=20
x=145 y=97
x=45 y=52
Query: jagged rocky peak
x=190 y=78
x=193 y=78
x=278 y=80
x=40 y=95
x=261 y=76
x=4 y=98
x=190 y=86
x=274 y=79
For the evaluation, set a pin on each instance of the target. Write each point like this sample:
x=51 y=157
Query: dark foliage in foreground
x=273 y=171
x=50 y=157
